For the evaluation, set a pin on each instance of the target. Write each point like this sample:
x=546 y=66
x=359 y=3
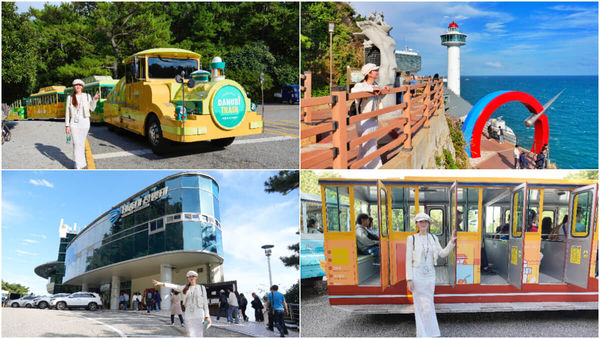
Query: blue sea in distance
x=573 y=117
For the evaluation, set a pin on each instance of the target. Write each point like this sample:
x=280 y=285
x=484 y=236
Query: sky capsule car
x=150 y=101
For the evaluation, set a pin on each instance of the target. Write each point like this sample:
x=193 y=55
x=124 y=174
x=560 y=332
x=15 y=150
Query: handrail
x=420 y=102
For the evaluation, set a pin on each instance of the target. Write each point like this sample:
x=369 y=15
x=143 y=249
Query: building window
x=156 y=226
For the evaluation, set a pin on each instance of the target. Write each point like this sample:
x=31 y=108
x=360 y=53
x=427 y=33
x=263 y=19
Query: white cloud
x=26 y=253
x=43 y=236
x=495 y=27
x=41 y=182
x=494 y=64
x=30 y=241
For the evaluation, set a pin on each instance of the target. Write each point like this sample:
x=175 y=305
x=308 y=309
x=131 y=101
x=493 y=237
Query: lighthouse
x=453 y=39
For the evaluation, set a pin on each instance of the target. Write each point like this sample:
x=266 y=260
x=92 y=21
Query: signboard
x=354 y=76
x=144 y=202
x=228 y=107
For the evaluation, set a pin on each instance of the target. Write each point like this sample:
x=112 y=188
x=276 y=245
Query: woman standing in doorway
x=195 y=302
x=422 y=251
x=77 y=120
x=370 y=72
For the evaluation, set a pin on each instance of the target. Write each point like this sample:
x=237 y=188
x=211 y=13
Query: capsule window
x=338 y=215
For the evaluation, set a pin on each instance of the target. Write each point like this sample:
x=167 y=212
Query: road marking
x=278 y=132
x=89 y=157
x=121 y=334
x=122 y=154
x=254 y=141
x=144 y=151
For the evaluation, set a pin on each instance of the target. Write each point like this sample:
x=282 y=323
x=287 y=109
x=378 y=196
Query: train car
x=311 y=249
x=514 y=227
x=101 y=84
x=18 y=110
x=149 y=100
x=48 y=103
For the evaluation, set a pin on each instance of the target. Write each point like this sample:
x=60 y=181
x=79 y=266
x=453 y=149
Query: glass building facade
x=180 y=212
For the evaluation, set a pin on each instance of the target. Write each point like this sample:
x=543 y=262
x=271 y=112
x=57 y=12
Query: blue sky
x=33 y=202
x=504 y=38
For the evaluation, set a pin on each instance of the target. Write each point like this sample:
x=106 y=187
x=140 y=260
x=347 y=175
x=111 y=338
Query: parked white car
x=26 y=301
x=88 y=300
x=44 y=302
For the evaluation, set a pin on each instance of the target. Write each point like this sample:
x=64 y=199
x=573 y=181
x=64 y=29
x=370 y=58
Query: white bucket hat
x=422 y=216
x=191 y=273
x=366 y=69
x=78 y=82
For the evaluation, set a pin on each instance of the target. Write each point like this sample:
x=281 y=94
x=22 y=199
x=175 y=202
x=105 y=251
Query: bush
x=249 y=80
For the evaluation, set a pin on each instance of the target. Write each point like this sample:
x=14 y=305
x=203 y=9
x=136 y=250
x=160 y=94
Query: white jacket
x=200 y=300
x=88 y=105
x=414 y=254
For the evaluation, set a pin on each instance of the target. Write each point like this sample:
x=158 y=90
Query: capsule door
x=453 y=205
x=384 y=236
x=582 y=213
x=515 y=239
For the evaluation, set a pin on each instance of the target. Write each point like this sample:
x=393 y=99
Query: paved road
x=321 y=320
x=41 y=145
x=21 y=322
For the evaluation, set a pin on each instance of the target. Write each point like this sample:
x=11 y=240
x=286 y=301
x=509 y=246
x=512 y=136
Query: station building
x=161 y=232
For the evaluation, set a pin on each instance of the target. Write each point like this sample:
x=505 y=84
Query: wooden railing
x=326 y=141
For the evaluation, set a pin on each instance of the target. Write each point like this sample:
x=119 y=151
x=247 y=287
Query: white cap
x=422 y=216
x=366 y=69
x=78 y=82
x=191 y=273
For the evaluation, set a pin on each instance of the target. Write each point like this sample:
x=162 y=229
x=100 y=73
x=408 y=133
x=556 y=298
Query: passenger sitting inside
x=555 y=234
x=367 y=240
x=312 y=226
x=579 y=225
x=532 y=225
x=546 y=227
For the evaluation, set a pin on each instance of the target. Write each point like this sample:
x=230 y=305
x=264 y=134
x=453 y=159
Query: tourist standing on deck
x=422 y=251
x=516 y=153
x=276 y=304
x=258 y=308
x=195 y=302
x=370 y=72
x=500 y=135
x=77 y=120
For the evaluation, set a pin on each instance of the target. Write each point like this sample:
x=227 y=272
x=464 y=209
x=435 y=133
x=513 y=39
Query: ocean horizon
x=572 y=118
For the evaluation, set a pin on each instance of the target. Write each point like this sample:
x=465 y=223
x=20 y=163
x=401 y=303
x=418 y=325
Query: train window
x=128 y=74
x=61 y=98
x=104 y=92
x=365 y=201
x=493 y=219
x=582 y=210
x=168 y=68
x=399 y=208
x=142 y=68
x=468 y=202
x=338 y=217
x=311 y=214
x=533 y=208
x=437 y=221
x=517 y=222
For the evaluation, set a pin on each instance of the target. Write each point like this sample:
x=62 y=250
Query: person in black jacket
x=258 y=307
x=223 y=304
x=243 y=304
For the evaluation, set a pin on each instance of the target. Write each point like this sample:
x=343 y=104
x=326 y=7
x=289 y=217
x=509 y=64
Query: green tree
x=15 y=288
x=309 y=181
x=585 y=175
x=284 y=182
x=294 y=259
x=19 y=54
x=292 y=295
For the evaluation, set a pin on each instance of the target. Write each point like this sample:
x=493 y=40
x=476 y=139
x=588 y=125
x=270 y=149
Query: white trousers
x=79 y=133
x=365 y=127
x=423 y=290
x=193 y=321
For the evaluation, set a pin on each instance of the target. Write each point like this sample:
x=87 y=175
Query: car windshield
x=168 y=68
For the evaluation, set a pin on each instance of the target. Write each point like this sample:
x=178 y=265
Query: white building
x=453 y=39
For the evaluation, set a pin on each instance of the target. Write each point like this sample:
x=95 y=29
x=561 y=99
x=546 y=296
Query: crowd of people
x=521 y=162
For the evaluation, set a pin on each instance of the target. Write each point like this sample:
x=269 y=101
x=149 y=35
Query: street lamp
x=267 y=249
x=331 y=27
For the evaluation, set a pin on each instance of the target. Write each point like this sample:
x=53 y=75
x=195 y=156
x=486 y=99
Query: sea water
x=573 y=117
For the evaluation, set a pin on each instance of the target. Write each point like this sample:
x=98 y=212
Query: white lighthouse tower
x=453 y=39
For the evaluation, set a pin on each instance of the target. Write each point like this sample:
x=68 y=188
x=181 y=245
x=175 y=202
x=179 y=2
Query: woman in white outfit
x=195 y=301
x=77 y=120
x=370 y=72
x=422 y=251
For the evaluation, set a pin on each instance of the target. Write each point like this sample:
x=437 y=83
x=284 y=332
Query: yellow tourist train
x=48 y=103
x=150 y=101
x=523 y=244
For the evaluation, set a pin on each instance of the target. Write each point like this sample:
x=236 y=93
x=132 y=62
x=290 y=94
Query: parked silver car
x=26 y=301
x=88 y=300
x=44 y=302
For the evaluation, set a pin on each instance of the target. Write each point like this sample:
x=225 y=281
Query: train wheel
x=154 y=135
x=221 y=143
